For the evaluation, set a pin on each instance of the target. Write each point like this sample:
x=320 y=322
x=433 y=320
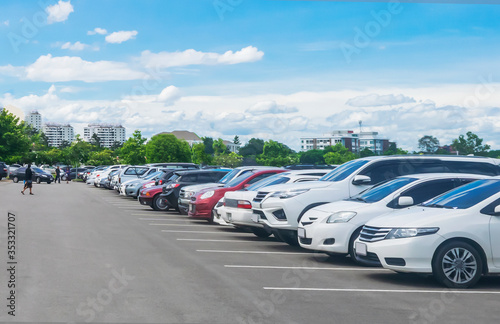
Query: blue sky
x=269 y=69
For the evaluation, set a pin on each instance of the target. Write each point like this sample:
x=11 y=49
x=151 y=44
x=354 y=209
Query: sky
x=272 y=69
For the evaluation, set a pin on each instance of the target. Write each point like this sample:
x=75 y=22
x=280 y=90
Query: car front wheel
x=15 y=179
x=160 y=204
x=457 y=265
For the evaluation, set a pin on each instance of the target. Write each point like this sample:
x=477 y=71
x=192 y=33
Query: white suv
x=455 y=236
x=281 y=207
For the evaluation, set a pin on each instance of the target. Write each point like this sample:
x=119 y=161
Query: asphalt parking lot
x=89 y=255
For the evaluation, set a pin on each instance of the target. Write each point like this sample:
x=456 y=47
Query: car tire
x=352 y=252
x=38 y=180
x=49 y=182
x=159 y=204
x=15 y=179
x=260 y=232
x=289 y=237
x=457 y=264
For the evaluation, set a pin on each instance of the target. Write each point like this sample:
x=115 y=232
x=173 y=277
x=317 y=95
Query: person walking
x=67 y=175
x=28 y=176
x=58 y=175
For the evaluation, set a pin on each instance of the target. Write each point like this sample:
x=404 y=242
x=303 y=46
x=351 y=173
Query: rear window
x=231 y=175
x=238 y=180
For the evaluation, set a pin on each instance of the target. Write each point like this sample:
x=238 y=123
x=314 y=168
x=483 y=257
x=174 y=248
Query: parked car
x=107 y=182
x=4 y=170
x=104 y=173
x=281 y=207
x=455 y=237
x=132 y=187
x=171 y=189
x=38 y=175
x=75 y=173
x=150 y=193
x=333 y=227
x=237 y=206
x=94 y=174
x=187 y=192
x=13 y=167
x=203 y=202
x=175 y=165
x=310 y=166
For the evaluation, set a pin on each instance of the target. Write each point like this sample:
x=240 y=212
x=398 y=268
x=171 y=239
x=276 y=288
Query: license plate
x=255 y=218
x=229 y=216
x=361 y=248
x=301 y=232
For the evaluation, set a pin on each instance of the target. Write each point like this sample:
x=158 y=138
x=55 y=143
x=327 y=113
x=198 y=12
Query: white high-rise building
x=34 y=119
x=108 y=134
x=57 y=133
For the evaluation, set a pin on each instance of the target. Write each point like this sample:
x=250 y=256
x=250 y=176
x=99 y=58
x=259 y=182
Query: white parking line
x=253 y=252
x=305 y=268
x=193 y=225
x=228 y=241
x=204 y=232
x=468 y=292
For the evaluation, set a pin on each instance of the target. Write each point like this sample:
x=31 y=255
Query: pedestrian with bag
x=58 y=175
x=28 y=176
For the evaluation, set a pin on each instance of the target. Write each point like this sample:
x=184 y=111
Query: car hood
x=201 y=186
x=416 y=216
x=240 y=195
x=300 y=185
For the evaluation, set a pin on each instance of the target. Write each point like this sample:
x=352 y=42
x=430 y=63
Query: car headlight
x=288 y=193
x=341 y=217
x=207 y=194
x=410 y=232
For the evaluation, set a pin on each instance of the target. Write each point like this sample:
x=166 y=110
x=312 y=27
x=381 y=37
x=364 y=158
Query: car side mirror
x=361 y=179
x=497 y=210
x=404 y=201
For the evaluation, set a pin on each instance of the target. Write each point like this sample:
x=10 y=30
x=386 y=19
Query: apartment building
x=108 y=134
x=354 y=142
x=58 y=133
x=34 y=119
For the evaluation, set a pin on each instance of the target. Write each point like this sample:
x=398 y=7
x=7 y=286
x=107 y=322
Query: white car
x=455 y=236
x=281 y=207
x=217 y=211
x=333 y=227
x=237 y=209
x=96 y=177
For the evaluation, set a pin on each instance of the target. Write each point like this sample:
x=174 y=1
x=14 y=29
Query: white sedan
x=455 y=236
x=333 y=227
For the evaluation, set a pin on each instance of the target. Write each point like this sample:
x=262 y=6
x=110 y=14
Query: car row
x=405 y=213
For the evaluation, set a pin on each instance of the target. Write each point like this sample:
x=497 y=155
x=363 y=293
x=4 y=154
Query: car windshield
x=238 y=180
x=465 y=196
x=382 y=190
x=38 y=170
x=344 y=170
x=151 y=175
x=229 y=176
x=272 y=180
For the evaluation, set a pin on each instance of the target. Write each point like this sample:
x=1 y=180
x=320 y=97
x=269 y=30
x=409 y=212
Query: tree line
x=19 y=143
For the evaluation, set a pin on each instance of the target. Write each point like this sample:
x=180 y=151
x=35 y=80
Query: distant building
x=57 y=133
x=34 y=119
x=189 y=137
x=17 y=112
x=354 y=142
x=231 y=146
x=108 y=134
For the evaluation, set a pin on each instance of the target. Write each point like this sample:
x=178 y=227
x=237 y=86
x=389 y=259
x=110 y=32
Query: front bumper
x=240 y=216
x=200 y=210
x=146 y=201
x=335 y=235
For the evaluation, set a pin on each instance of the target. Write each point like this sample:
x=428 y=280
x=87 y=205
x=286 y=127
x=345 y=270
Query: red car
x=151 y=196
x=204 y=201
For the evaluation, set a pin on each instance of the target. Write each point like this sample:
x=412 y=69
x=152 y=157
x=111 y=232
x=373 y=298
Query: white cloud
x=13 y=71
x=72 y=68
x=169 y=95
x=97 y=30
x=59 y=12
x=375 y=100
x=193 y=57
x=121 y=36
x=270 y=107
x=6 y=23
x=76 y=46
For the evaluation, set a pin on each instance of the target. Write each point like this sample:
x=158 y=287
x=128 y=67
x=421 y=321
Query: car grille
x=260 y=213
x=181 y=194
x=231 y=203
x=373 y=234
x=306 y=241
x=260 y=196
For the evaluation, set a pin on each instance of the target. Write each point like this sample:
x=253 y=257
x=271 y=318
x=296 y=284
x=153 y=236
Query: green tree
x=428 y=144
x=167 y=148
x=366 y=152
x=470 y=145
x=339 y=154
x=78 y=152
x=209 y=145
x=14 y=143
x=231 y=160
x=312 y=157
x=277 y=154
x=103 y=157
x=96 y=141
x=254 y=147
x=236 y=140
x=219 y=146
x=53 y=156
x=200 y=156
x=134 y=149
x=393 y=150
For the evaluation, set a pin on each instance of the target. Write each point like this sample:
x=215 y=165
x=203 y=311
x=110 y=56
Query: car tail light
x=160 y=182
x=244 y=204
x=119 y=180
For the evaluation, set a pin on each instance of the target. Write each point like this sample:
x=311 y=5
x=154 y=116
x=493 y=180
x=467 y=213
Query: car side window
x=216 y=176
x=189 y=178
x=490 y=209
x=474 y=167
x=130 y=171
x=205 y=177
x=426 y=191
x=381 y=171
x=141 y=171
x=260 y=177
